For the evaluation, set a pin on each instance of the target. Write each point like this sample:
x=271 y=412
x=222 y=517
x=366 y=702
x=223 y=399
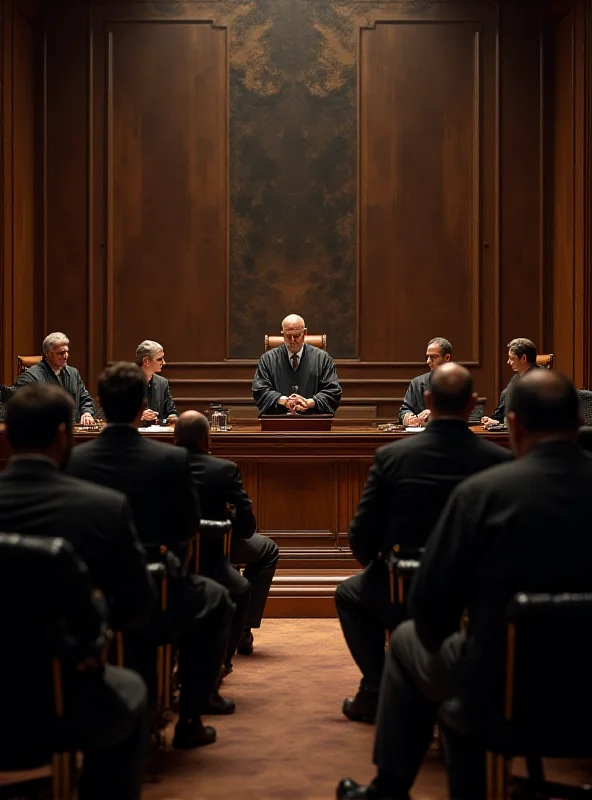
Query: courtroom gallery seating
x=547 y=705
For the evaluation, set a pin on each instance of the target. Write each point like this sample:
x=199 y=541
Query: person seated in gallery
x=54 y=368
x=414 y=413
x=219 y=486
x=296 y=377
x=160 y=406
x=522 y=355
x=497 y=536
x=408 y=486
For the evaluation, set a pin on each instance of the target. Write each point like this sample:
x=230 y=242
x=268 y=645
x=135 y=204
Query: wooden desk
x=305 y=489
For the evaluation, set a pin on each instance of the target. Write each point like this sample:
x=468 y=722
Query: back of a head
x=34 y=414
x=524 y=347
x=122 y=389
x=545 y=401
x=191 y=429
x=451 y=388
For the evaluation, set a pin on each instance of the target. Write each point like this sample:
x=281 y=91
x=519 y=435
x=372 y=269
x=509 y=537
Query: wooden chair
x=545 y=360
x=547 y=704
x=48 y=632
x=24 y=362
x=316 y=339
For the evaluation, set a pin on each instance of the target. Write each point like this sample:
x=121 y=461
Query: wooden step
x=307 y=593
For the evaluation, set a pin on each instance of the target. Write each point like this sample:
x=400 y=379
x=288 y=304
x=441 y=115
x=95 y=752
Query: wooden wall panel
x=21 y=178
x=421 y=163
x=165 y=180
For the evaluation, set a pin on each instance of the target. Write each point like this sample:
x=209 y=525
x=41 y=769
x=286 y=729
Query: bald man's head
x=192 y=430
x=294 y=331
x=544 y=401
x=451 y=392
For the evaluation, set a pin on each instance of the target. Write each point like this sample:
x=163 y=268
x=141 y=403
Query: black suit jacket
x=37 y=499
x=218 y=482
x=517 y=527
x=158 y=397
x=43 y=373
x=409 y=484
x=155 y=477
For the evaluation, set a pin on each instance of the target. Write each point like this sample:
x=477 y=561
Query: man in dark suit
x=38 y=499
x=54 y=368
x=160 y=405
x=408 y=485
x=497 y=536
x=219 y=484
x=157 y=481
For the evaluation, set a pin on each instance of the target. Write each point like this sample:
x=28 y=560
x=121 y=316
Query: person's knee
x=271 y=553
x=345 y=596
x=401 y=639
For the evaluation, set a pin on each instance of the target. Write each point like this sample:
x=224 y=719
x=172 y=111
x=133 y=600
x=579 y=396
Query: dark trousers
x=239 y=589
x=198 y=619
x=106 y=717
x=260 y=554
x=365 y=613
x=414 y=683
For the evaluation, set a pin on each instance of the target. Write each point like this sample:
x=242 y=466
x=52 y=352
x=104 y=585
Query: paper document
x=413 y=430
x=157 y=429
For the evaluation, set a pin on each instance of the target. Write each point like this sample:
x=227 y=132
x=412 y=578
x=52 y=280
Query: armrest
x=215 y=529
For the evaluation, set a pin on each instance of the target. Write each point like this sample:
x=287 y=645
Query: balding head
x=451 y=392
x=542 y=403
x=294 y=331
x=192 y=431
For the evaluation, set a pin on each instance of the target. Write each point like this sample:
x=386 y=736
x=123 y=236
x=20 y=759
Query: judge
x=413 y=412
x=296 y=377
x=53 y=368
x=522 y=356
x=160 y=404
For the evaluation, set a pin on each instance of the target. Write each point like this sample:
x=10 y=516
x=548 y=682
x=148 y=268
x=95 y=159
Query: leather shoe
x=350 y=790
x=245 y=644
x=193 y=733
x=219 y=705
x=362 y=707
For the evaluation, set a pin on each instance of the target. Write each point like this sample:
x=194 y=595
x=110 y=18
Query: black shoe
x=219 y=705
x=350 y=790
x=245 y=645
x=193 y=733
x=361 y=708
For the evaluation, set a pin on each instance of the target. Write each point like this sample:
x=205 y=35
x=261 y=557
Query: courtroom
x=296 y=399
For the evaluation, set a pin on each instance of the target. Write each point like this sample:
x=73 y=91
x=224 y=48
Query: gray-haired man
x=160 y=404
x=54 y=368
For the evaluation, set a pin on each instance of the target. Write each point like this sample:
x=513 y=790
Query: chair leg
x=498 y=770
x=61 y=767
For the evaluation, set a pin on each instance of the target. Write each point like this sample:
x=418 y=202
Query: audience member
x=408 y=486
x=497 y=536
x=54 y=368
x=38 y=499
x=220 y=486
x=157 y=481
x=414 y=411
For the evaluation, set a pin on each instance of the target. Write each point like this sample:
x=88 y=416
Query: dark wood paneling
x=421 y=165
x=164 y=174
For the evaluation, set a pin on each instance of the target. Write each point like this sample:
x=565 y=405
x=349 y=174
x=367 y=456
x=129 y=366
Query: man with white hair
x=296 y=377
x=54 y=368
x=161 y=406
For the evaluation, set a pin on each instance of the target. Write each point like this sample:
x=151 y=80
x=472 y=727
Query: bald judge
x=296 y=377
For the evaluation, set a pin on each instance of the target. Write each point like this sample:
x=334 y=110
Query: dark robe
x=70 y=381
x=413 y=402
x=315 y=377
x=158 y=397
x=500 y=412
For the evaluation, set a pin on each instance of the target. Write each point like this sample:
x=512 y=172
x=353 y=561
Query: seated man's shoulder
x=90 y=494
x=159 y=380
x=218 y=466
x=496 y=452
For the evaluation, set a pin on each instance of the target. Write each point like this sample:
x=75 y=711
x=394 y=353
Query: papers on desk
x=413 y=430
x=157 y=429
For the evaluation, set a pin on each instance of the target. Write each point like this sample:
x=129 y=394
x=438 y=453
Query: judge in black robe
x=522 y=356
x=314 y=378
x=413 y=411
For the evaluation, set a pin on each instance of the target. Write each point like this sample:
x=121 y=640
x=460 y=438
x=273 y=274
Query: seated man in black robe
x=54 y=369
x=296 y=377
x=522 y=357
x=160 y=404
x=413 y=413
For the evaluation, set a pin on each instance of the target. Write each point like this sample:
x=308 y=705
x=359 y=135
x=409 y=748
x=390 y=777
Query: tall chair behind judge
x=53 y=634
x=315 y=339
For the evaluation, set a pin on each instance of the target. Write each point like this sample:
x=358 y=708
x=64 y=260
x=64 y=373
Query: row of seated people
x=485 y=524
x=114 y=500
